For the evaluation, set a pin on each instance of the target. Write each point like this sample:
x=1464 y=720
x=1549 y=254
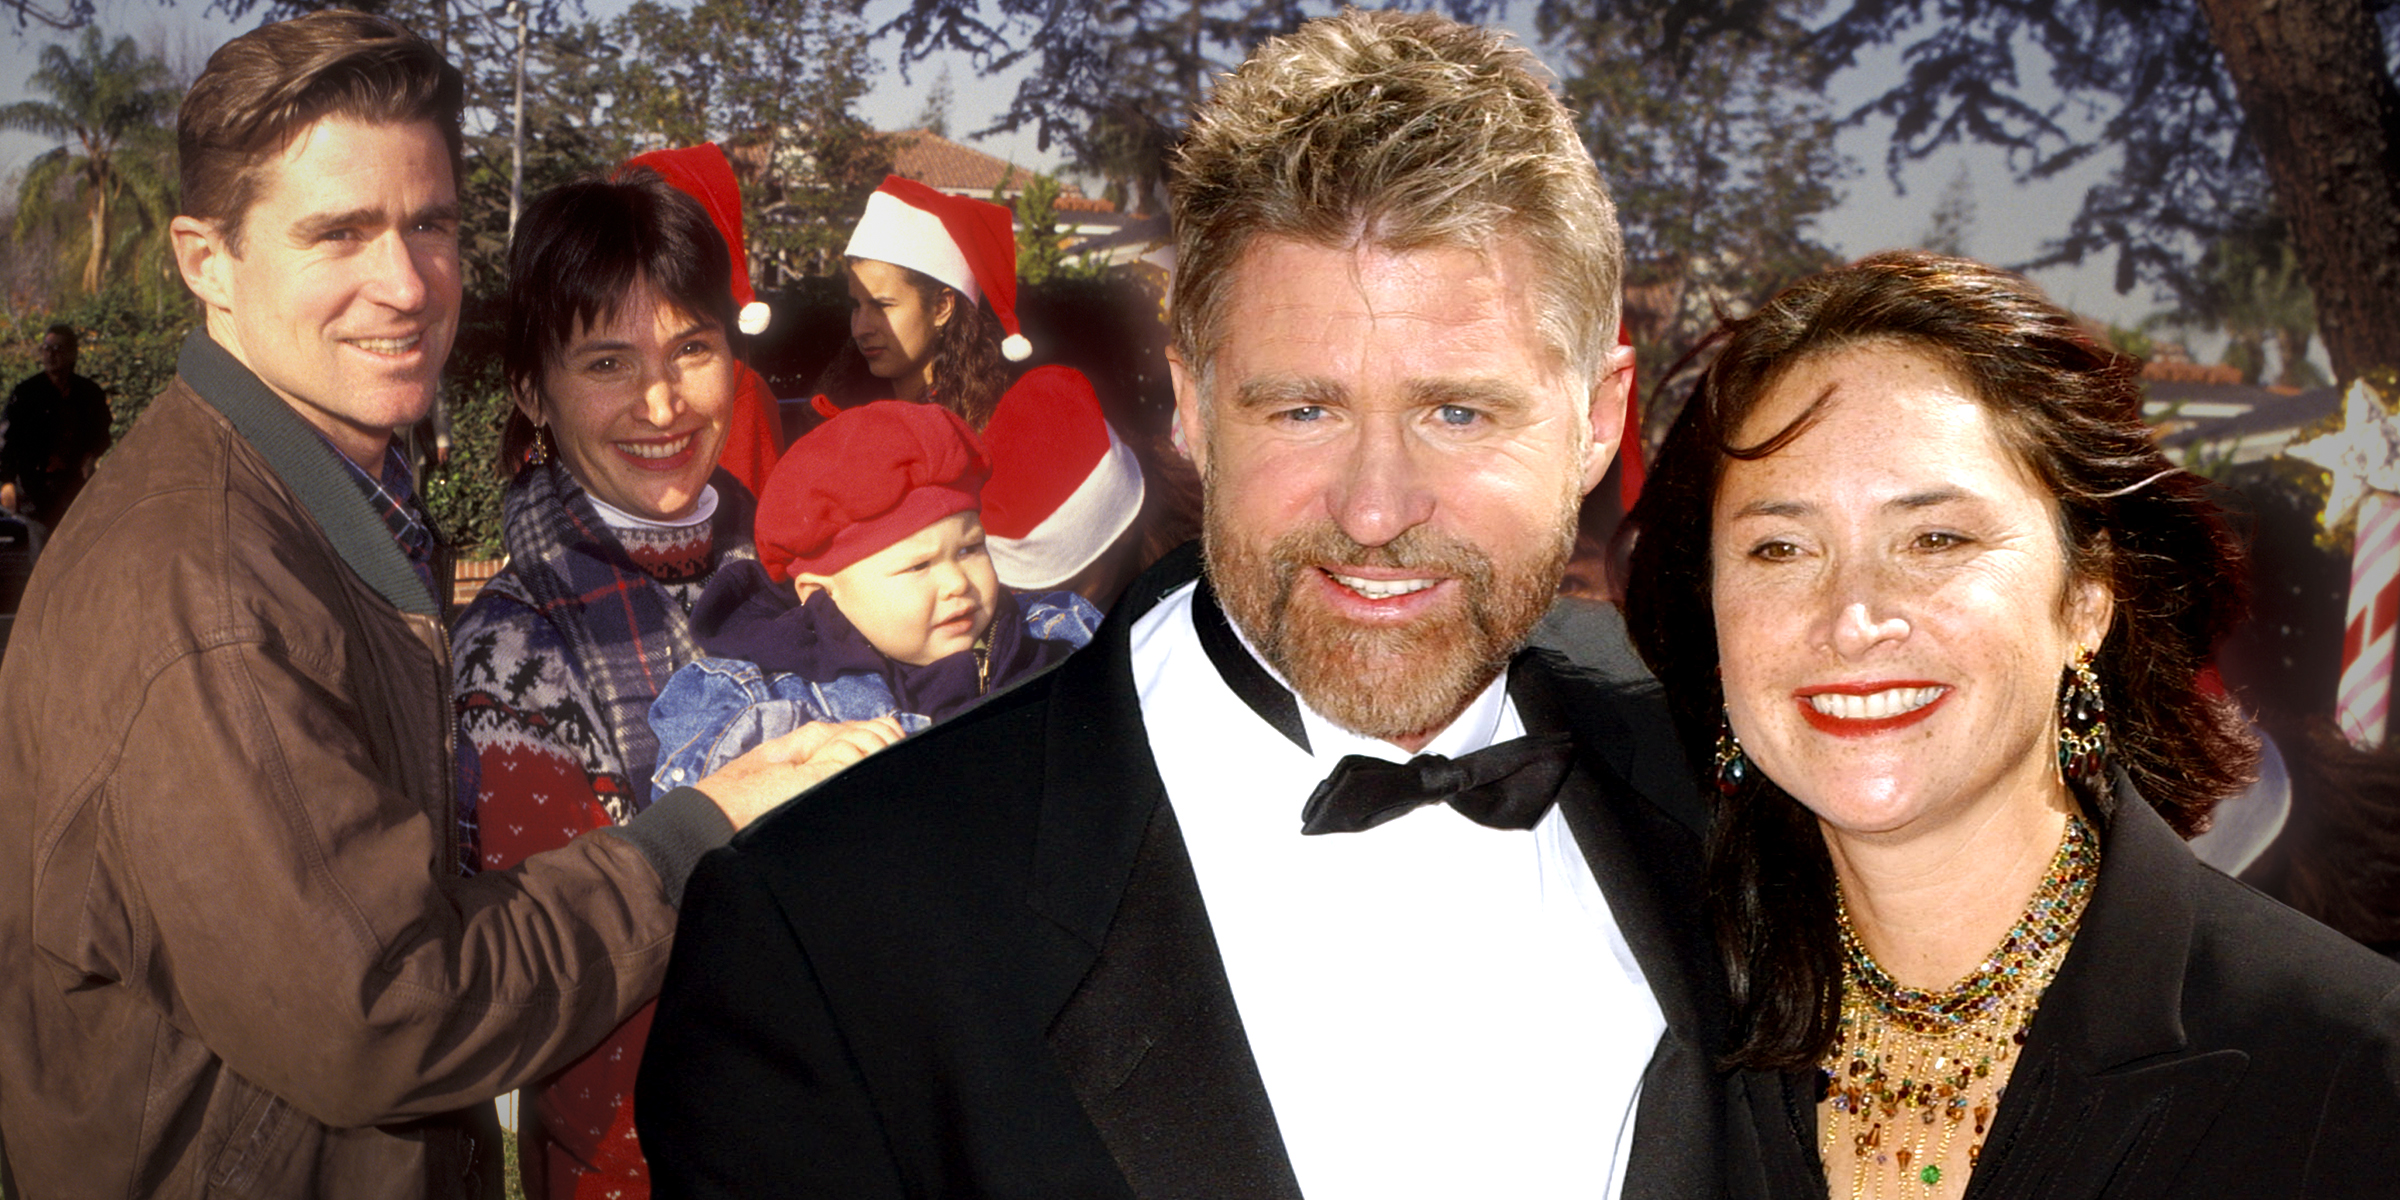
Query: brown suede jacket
x=236 y=958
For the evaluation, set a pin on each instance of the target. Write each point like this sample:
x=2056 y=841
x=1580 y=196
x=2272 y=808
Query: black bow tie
x=1508 y=785
x=1505 y=786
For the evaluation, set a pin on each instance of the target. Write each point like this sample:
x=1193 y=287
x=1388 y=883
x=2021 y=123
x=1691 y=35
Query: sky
x=2011 y=220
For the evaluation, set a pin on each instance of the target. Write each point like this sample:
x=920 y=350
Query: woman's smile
x=1893 y=603
x=1864 y=710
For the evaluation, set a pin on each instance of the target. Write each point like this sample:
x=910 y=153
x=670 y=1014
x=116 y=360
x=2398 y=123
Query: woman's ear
x=805 y=585
x=528 y=401
x=943 y=310
x=2091 y=607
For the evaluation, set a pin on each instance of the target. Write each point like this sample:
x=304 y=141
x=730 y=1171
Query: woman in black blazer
x=1933 y=611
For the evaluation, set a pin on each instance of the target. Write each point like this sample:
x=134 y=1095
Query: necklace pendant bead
x=1934 y=1052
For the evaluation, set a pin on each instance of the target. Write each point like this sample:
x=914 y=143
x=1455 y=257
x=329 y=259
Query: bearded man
x=1306 y=876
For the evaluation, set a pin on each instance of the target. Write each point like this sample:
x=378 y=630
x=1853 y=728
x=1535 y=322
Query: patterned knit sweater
x=547 y=662
x=545 y=768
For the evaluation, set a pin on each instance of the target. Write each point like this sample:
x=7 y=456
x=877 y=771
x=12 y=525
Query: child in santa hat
x=873 y=595
x=933 y=293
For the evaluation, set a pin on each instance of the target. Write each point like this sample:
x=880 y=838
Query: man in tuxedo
x=1306 y=876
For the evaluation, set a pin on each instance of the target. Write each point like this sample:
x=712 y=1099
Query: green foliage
x=464 y=497
x=1041 y=256
x=775 y=82
x=129 y=342
x=2134 y=342
x=1719 y=165
x=2248 y=286
x=111 y=180
x=2247 y=355
x=1109 y=83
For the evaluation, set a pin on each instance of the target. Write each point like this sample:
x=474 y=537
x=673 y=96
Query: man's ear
x=805 y=585
x=204 y=260
x=1187 y=410
x=1612 y=390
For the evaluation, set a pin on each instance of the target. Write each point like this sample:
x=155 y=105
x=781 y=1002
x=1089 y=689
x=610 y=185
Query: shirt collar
x=393 y=496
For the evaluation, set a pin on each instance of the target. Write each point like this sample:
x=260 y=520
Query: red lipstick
x=1859 y=728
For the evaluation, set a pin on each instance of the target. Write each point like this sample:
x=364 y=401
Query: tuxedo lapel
x=1647 y=865
x=1149 y=1037
x=1153 y=1045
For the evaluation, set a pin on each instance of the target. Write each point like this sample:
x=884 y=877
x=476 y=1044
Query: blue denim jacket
x=713 y=709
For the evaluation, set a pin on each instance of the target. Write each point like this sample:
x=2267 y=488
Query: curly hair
x=2070 y=410
x=1405 y=131
x=968 y=374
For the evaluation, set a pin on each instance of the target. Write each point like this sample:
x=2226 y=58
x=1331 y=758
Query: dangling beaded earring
x=539 y=453
x=2082 y=723
x=1733 y=766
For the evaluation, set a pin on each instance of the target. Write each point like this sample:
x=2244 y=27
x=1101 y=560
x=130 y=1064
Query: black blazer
x=978 y=965
x=2200 y=1040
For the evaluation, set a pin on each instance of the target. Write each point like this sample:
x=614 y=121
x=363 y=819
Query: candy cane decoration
x=2365 y=704
x=2364 y=457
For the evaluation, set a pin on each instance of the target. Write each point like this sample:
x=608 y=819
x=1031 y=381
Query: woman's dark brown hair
x=580 y=249
x=2071 y=411
x=968 y=373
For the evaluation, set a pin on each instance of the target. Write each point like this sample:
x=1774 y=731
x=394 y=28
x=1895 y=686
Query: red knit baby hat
x=864 y=480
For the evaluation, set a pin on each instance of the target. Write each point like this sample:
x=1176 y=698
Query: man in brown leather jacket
x=235 y=954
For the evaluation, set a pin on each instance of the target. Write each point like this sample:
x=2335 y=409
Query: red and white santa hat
x=966 y=243
x=1063 y=485
x=703 y=173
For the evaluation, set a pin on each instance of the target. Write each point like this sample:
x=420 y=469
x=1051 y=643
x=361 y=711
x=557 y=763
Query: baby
x=873 y=595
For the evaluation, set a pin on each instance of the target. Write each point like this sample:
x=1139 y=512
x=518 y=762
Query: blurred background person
x=56 y=430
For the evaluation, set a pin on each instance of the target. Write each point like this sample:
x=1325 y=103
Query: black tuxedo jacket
x=978 y=963
x=2201 y=1040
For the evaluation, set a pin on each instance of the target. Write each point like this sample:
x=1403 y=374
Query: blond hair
x=1403 y=131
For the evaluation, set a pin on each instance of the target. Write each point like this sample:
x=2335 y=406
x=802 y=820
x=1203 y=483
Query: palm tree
x=111 y=104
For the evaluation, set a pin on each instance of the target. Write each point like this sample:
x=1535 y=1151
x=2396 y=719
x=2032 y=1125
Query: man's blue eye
x=1456 y=414
x=1306 y=412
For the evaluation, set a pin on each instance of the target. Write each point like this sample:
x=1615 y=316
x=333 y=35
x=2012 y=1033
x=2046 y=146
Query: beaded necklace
x=1908 y=1067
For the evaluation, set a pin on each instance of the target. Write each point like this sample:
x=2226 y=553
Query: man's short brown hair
x=263 y=88
x=1403 y=131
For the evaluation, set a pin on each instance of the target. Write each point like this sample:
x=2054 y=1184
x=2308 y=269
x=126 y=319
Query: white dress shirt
x=1438 y=1009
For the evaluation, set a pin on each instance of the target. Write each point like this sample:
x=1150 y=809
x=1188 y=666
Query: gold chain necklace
x=1908 y=1067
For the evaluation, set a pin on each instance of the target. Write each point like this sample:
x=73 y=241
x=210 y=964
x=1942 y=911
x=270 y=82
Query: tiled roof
x=2168 y=371
x=938 y=162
